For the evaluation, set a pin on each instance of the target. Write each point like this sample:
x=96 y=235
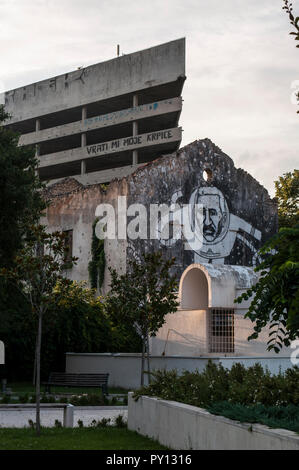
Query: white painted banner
x=134 y=142
x=114 y=146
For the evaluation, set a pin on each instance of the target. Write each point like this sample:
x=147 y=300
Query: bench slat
x=78 y=380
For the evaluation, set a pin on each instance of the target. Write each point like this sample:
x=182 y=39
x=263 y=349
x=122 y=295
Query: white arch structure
x=205 y=286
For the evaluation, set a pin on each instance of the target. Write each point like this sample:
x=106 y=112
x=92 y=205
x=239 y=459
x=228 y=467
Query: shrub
x=47 y=399
x=87 y=400
x=103 y=423
x=248 y=386
x=5 y=399
x=120 y=422
x=286 y=417
x=32 y=399
x=24 y=398
x=80 y=324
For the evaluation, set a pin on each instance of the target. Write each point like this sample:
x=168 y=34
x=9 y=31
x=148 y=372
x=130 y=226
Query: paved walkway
x=19 y=418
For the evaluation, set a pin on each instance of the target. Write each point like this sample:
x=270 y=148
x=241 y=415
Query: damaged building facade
x=100 y=122
x=213 y=268
x=108 y=135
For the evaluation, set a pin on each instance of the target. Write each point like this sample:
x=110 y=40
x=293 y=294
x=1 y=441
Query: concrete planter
x=186 y=427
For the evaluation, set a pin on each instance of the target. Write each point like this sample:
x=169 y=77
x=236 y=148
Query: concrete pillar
x=83 y=167
x=83 y=140
x=68 y=416
x=37 y=128
x=135 y=131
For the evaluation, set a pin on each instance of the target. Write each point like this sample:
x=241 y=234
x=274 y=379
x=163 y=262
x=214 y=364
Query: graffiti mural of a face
x=213 y=214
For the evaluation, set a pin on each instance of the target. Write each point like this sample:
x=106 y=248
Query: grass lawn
x=75 y=439
x=27 y=387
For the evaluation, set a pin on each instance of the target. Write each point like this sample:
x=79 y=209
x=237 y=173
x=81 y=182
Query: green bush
x=47 y=399
x=79 y=323
x=120 y=422
x=249 y=386
x=33 y=399
x=5 y=399
x=286 y=417
x=24 y=398
x=250 y=395
x=88 y=400
x=113 y=401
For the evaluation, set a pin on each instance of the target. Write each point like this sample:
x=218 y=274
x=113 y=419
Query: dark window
x=68 y=251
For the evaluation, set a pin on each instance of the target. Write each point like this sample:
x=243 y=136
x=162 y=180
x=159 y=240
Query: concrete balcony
x=136 y=113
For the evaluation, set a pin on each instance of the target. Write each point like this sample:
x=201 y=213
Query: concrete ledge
x=68 y=410
x=185 y=427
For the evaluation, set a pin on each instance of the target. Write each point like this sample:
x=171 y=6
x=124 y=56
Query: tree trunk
x=148 y=358
x=34 y=367
x=142 y=361
x=37 y=383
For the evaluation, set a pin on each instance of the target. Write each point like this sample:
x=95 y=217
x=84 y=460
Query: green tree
x=96 y=267
x=38 y=267
x=143 y=297
x=21 y=199
x=288 y=7
x=76 y=321
x=287 y=194
x=275 y=301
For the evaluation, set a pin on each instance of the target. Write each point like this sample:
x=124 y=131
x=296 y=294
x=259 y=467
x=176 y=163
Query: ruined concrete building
x=101 y=122
x=213 y=267
x=116 y=123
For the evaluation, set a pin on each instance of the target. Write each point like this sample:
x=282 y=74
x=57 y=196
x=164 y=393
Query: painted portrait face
x=210 y=217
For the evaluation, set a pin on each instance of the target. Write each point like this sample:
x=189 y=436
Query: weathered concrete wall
x=186 y=427
x=186 y=333
x=245 y=214
x=151 y=67
x=204 y=287
x=239 y=215
x=73 y=207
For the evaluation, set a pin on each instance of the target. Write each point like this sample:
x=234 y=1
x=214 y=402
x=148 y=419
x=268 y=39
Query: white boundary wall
x=124 y=369
x=186 y=427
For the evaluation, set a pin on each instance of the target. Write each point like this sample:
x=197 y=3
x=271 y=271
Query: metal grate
x=221 y=330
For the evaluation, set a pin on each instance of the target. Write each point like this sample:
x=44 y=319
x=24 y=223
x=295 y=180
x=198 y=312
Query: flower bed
x=248 y=395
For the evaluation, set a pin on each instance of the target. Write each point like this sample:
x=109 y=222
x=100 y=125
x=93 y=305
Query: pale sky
x=241 y=64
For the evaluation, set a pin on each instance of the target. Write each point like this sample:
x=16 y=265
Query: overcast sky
x=241 y=63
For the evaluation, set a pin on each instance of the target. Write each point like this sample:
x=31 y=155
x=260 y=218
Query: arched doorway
x=194 y=289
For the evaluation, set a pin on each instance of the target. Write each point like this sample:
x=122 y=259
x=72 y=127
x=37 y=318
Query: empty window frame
x=68 y=247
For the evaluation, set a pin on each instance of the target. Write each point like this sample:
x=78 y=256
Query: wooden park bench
x=63 y=379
